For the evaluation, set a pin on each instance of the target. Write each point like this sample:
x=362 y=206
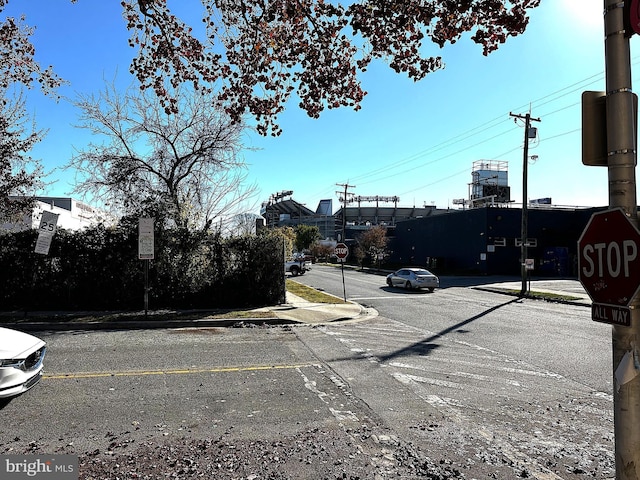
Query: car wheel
x=294 y=271
x=389 y=282
x=407 y=285
x=431 y=289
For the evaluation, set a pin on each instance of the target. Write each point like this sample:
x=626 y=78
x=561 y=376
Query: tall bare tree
x=242 y=224
x=184 y=166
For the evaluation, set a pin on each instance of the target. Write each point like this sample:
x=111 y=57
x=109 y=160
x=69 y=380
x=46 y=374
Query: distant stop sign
x=341 y=251
x=609 y=258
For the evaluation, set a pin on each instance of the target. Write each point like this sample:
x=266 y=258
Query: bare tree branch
x=186 y=165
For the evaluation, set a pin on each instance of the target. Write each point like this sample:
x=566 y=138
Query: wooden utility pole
x=346 y=187
x=524 y=230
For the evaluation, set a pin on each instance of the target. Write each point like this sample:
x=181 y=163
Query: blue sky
x=417 y=141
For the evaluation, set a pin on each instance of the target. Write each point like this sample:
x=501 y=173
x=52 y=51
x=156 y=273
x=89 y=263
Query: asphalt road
x=494 y=386
x=558 y=337
x=533 y=378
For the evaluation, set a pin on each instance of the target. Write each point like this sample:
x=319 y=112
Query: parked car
x=21 y=363
x=413 y=278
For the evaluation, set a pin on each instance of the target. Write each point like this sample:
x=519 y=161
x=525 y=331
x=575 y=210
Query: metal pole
x=284 y=259
x=344 y=288
x=146 y=286
x=621 y=154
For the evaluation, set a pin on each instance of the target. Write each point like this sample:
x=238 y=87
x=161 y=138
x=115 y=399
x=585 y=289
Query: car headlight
x=34 y=359
x=12 y=362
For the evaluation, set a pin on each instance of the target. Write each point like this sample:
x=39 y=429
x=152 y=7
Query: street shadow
x=426 y=346
x=448 y=281
x=418 y=291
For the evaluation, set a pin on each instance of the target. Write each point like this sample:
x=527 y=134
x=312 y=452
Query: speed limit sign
x=46 y=231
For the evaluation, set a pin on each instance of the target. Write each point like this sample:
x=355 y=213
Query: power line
x=457 y=152
x=483 y=127
x=474 y=131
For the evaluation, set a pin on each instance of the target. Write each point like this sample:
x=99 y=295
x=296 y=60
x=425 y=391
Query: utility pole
x=346 y=187
x=621 y=164
x=525 y=212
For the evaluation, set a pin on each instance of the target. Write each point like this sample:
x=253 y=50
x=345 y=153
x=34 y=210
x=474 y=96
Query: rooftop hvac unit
x=501 y=193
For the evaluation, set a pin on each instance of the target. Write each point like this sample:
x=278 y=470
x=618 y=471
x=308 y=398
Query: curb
x=148 y=325
x=577 y=303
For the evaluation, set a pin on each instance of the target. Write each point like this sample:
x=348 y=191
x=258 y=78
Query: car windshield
x=422 y=272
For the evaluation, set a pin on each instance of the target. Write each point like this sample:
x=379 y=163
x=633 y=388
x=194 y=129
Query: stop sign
x=608 y=258
x=341 y=251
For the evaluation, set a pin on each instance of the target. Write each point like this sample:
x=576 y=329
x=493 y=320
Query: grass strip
x=311 y=294
x=552 y=297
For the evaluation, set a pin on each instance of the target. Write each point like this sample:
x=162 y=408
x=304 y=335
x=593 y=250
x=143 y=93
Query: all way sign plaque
x=612 y=314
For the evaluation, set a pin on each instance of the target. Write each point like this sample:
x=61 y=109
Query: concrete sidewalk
x=295 y=310
x=298 y=310
x=572 y=289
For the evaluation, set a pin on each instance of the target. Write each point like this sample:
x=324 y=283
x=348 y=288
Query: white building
x=72 y=214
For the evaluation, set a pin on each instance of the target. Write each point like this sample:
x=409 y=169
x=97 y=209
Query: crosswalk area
x=489 y=401
x=451 y=365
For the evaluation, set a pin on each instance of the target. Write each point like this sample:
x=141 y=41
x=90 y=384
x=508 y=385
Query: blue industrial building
x=486 y=240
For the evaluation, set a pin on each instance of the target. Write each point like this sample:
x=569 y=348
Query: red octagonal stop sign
x=609 y=258
x=341 y=251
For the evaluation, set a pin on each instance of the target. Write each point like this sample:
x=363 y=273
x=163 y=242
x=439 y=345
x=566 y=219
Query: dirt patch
x=313 y=454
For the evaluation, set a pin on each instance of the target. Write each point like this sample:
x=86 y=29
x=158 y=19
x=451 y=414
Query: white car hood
x=14 y=344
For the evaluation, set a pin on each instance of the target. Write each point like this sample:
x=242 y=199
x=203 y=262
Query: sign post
x=145 y=252
x=342 y=252
x=612 y=256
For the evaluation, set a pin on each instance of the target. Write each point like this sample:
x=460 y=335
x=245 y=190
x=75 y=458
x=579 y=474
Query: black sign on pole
x=611 y=314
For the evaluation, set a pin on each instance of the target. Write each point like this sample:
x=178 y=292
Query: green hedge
x=98 y=269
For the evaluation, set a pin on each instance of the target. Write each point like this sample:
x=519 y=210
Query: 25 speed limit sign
x=46 y=230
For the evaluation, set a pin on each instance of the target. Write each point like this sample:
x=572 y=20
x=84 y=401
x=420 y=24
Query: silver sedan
x=413 y=278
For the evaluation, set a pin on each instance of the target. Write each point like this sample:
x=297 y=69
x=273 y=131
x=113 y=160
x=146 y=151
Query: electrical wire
x=391 y=170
